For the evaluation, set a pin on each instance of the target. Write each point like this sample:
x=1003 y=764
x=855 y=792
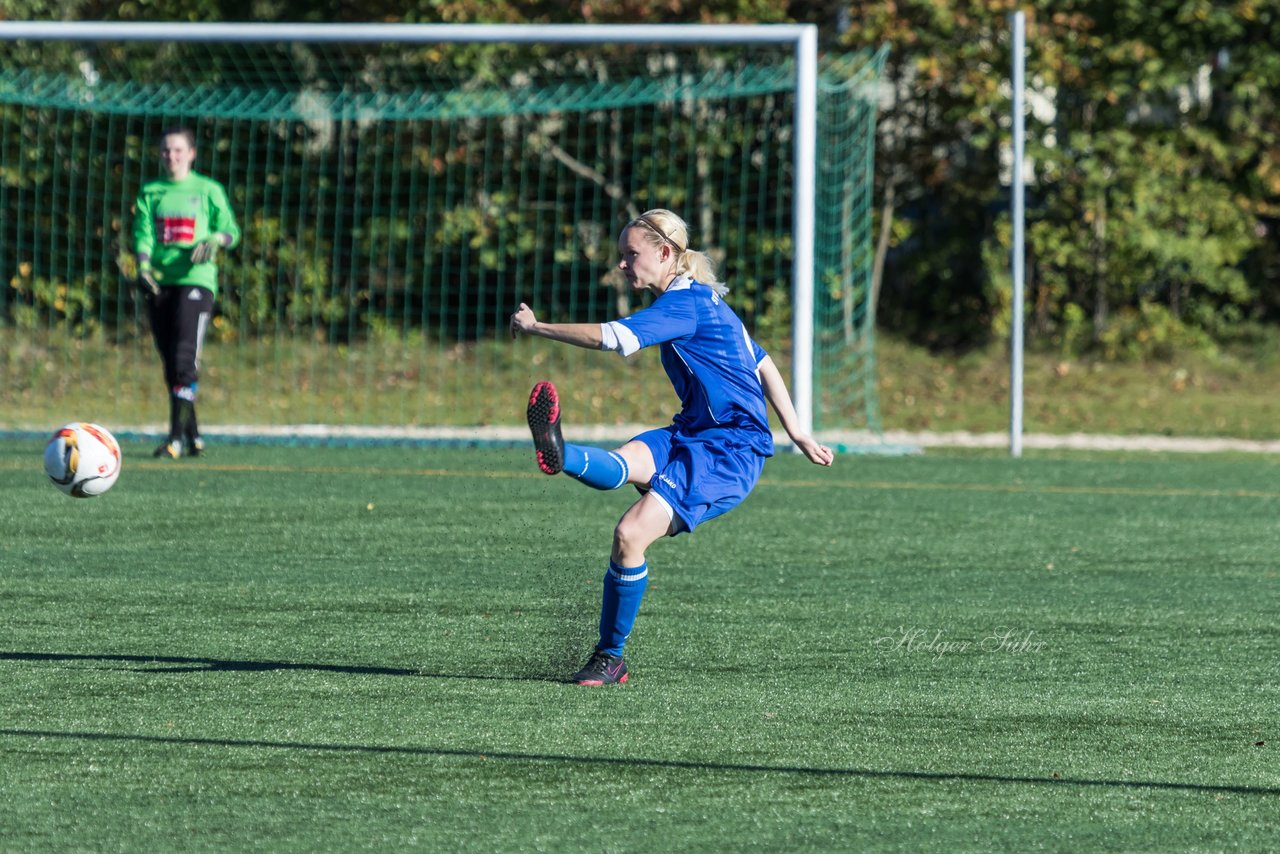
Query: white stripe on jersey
x=751 y=351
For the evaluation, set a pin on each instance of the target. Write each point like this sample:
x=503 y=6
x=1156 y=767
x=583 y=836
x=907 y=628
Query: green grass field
x=361 y=649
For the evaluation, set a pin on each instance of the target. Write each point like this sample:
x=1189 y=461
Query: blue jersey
x=711 y=360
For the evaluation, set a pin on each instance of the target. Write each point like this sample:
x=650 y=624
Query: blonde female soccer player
x=180 y=223
x=709 y=458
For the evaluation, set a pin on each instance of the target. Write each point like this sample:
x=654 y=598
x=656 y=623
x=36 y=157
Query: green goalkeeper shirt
x=170 y=217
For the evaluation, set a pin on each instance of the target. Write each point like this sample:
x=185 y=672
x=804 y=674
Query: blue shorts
x=700 y=479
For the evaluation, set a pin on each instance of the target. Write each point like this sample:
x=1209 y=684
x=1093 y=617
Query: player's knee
x=622 y=537
x=630 y=537
x=636 y=532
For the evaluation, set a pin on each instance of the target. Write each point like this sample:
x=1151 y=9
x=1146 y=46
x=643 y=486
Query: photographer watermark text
x=936 y=644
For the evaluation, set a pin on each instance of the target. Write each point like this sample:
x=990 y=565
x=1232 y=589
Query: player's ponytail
x=663 y=226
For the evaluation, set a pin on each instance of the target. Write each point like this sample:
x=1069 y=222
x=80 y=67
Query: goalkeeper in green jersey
x=180 y=223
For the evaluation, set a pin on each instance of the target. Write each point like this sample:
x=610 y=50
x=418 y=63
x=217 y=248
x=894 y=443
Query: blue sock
x=595 y=467
x=623 y=590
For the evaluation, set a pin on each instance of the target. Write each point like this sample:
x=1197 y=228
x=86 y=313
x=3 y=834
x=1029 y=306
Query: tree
x=1153 y=135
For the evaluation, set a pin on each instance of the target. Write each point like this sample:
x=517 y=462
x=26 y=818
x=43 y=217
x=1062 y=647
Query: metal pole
x=1019 y=214
x=803 y=217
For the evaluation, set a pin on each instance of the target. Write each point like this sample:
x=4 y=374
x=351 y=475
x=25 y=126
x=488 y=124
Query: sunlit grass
x=411 y=383
x=364 y=649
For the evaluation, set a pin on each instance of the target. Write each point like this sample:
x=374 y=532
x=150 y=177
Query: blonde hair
x=661 y=226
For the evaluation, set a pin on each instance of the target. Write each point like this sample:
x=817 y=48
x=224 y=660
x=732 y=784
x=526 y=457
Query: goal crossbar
x=411 y=33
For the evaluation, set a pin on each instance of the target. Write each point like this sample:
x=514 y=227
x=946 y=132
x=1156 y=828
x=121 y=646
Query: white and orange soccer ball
x=82 y=459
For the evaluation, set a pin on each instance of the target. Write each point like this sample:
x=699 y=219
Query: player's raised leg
x=596 y=467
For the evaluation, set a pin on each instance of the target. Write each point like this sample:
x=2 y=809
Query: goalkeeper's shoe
x=170 y=450
x=195 y=446
x=544 y=423
x=602 y=669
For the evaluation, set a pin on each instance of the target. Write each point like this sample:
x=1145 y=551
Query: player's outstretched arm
x=585 y=335
x=775 y=391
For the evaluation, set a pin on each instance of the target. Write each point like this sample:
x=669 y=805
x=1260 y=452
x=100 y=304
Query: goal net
x=398 y=198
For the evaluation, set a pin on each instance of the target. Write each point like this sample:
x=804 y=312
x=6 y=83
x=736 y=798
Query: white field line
x=892 y=441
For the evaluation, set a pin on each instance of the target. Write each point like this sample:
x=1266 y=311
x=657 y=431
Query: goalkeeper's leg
x=194 y=312
x=162 y=310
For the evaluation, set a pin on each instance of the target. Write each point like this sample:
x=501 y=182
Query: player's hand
x=817 y=453
x=147 y=280
x=206 y=250
x=523 y=320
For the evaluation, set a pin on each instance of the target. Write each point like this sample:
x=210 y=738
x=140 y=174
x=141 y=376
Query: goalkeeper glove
x=147 y=280
x=206 y=250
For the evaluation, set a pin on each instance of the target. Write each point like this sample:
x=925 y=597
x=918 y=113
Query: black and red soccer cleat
x=602 y=669
x=170 y=450
x=544 y=423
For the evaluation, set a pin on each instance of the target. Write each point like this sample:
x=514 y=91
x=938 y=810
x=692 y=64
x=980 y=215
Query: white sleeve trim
x=608 y=338
x=617 y=337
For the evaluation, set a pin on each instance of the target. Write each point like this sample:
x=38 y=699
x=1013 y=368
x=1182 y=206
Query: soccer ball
x=82 y=459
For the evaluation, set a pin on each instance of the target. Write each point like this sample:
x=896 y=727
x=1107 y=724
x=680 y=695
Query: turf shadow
x=184 y=664
x=641 y=762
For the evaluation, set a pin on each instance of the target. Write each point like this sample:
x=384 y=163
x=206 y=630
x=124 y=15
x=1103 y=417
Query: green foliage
x=286 y=287
x=1150 y=331
x=1153 y=132
x=1156 y=232
x=38 y=303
